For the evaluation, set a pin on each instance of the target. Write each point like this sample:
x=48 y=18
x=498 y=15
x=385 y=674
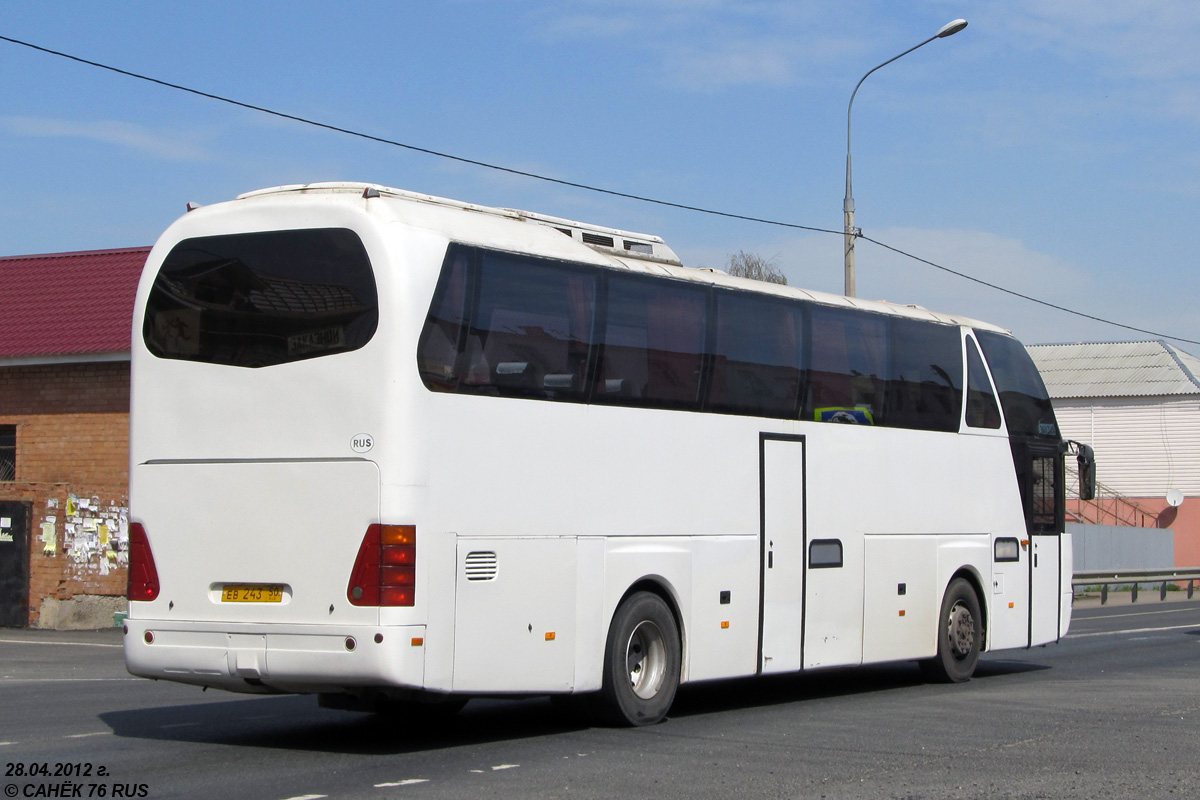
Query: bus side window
x=527 y=332
x=757 y=358
x=437 y=352
x=653 y=344
x=532 y=324
x=849 y=355
x=982 y=410
x=924 y=382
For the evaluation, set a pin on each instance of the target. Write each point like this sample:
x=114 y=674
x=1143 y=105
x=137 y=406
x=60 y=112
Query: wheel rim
x=961 y=631
x=646 y=659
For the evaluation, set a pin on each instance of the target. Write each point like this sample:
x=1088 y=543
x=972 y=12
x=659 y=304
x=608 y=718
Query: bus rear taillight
x=143 y=575
x=385 y=572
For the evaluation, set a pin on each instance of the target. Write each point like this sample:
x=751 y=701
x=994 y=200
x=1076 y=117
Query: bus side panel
x=1067 y=594
x=1008 y=615
x=589 y=615
x=902 y=597
x=515 y=606
x=1046 y=597
x=536 y=622
x=841 y=484
x=723 y=619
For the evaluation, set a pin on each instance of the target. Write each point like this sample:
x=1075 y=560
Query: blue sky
x=1051 y=148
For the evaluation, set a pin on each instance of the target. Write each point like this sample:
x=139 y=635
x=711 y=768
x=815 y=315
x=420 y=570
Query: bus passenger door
x=782 y=543
x=1044 y=604
x=1042 y=494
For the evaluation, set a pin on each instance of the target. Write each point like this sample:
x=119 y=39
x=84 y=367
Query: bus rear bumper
x=299 y=659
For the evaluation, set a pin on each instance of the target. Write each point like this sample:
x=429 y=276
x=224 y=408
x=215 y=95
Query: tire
x=960 y=635
x=642 y=661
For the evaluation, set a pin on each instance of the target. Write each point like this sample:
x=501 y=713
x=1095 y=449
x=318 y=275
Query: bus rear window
x=260 y=299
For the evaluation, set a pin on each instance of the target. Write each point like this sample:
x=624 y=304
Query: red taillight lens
x=143 y=575
x=385 y=572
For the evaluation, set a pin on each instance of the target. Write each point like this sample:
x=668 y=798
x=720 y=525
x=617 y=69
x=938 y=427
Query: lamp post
x=949 y=29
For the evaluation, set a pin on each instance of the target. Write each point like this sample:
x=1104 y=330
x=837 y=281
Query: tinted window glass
x=441 y=340
x=8 y=452
x=1023 y=395
x=1042 y=494
x=531 y=330
x=849 y=353
x=982 y=411
x=924 y=381
x=653 y=344
x=519 y=326
x=825 y=554
x=258 y=299
x=756 y=359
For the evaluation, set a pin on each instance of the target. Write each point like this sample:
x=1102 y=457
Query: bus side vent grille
x=594 y=238
x=481 y=566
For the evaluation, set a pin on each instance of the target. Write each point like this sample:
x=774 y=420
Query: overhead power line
x=1045 y=303
x=414 y=148
x=574 y=184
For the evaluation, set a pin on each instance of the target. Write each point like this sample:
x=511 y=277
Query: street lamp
x=949 y=29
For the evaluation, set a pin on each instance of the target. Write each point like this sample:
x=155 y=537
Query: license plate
x=252 y=593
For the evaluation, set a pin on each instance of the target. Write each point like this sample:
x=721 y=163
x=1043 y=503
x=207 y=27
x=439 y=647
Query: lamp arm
x=850 y=107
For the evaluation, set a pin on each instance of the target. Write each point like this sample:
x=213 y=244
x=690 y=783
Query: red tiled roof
x=68 y=303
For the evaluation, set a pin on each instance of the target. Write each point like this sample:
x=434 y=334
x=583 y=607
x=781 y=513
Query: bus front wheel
x=641 y=662
x=960 y=635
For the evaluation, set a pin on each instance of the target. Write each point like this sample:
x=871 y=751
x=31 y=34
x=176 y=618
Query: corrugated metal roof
x=68 y=303
x=1116 y=369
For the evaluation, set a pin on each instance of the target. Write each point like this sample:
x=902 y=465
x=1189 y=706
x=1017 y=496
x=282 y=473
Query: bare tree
x=751 y=265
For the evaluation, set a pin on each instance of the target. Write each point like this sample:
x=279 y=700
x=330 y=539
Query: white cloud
x=707 y=45
x=737 y=62
x=111 y=132
x=1141 y=56
x=1152 y=39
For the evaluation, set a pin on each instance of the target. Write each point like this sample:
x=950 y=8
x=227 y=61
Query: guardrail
x=1133 y=577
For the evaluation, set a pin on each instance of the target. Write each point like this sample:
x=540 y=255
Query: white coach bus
x=392 y=448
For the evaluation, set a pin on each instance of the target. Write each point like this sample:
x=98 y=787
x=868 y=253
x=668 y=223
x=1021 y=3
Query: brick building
x=64 y=435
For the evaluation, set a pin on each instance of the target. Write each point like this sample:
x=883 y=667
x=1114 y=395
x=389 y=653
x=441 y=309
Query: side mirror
x=1085 y=457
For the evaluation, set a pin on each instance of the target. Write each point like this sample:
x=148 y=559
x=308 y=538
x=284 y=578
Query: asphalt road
x=1111 y=711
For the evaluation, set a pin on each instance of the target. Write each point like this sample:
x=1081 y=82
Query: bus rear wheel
x=960 y=635
x=642 y=661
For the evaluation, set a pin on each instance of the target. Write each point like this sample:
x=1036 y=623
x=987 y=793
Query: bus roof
x=639 y=252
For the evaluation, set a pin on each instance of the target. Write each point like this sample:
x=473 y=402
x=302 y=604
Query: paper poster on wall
x=49 y=539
